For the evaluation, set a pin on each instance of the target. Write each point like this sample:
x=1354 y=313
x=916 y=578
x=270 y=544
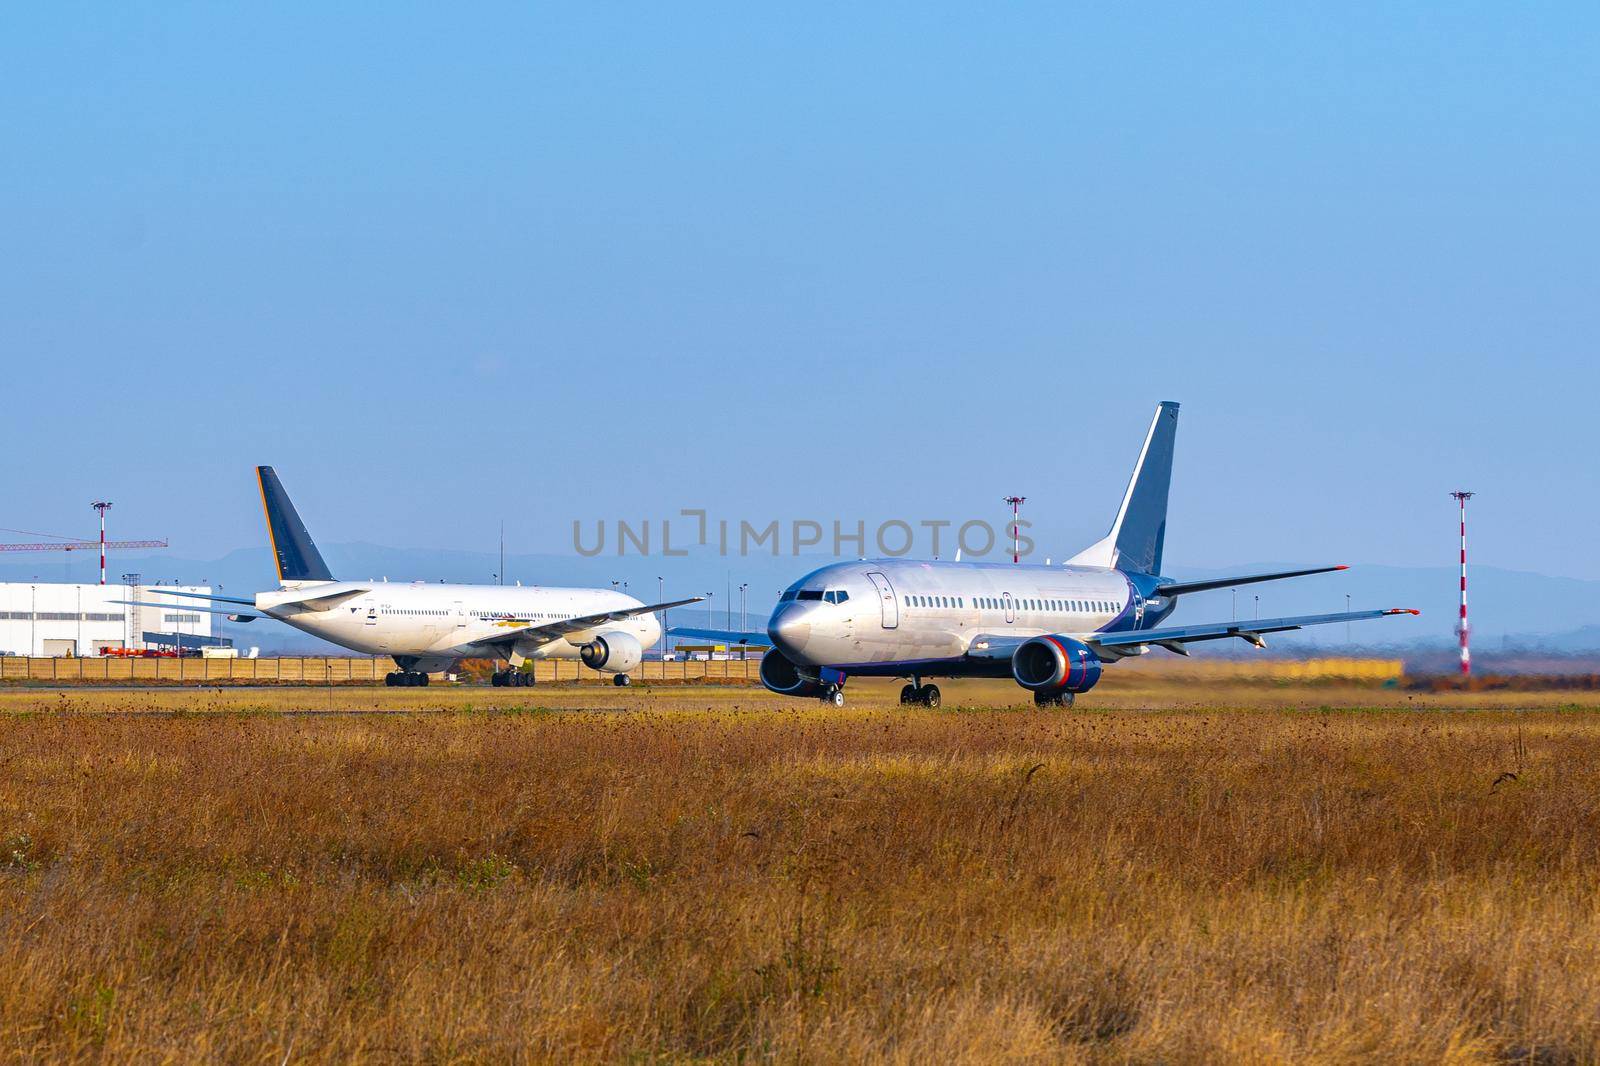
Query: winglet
x=1402 y=610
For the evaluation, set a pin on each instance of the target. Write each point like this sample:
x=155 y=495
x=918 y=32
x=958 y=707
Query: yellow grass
x=721 y=875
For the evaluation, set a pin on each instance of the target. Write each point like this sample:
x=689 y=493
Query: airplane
x=1051 y=628
x=428 y=627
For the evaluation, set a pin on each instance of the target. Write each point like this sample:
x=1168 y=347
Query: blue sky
x=445 y=267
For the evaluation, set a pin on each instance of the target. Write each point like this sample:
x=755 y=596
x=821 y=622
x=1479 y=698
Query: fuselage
x=892 y=617
x=434 y=622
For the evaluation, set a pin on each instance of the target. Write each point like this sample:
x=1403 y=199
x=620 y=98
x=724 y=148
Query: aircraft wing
x=543 y=632
x=241 y=613
x=156 y=590
x=725 y=636
x=1174 y=637
x=312 y=599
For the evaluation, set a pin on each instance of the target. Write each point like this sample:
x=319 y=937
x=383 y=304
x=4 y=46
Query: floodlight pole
x=1016 y=503
x=1461 y=499
x=102 y=506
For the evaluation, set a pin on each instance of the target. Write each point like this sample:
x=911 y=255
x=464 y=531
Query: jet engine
x=615 y=652
x=783 y=677
x=1055 y=664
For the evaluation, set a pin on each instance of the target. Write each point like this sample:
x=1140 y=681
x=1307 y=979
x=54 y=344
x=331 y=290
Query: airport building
x=44 y=619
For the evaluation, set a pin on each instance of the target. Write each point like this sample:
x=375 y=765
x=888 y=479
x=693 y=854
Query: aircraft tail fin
x=1140 y=530
x=296 y=556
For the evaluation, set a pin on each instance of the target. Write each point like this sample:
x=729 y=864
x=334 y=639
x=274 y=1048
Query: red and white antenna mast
x=102 y=506
x=1461 y=498
x=1016 y=503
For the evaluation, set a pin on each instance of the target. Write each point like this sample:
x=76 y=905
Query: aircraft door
x=1011 y=608
x=372 y=615
x=886 y=599
x=460 y=613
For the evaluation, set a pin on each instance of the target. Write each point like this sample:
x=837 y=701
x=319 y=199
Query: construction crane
x=74 y=546
x=67 y=544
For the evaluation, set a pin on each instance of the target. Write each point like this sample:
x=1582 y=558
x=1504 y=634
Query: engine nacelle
x=615 y=652
x=783 y=677
x=1055 y=664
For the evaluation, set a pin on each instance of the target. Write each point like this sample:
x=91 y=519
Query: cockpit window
x=836 y=595
x=788 y=594
x=809 y=594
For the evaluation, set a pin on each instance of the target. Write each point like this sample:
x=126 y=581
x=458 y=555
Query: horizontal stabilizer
x=1179 y=588
x=311 y=601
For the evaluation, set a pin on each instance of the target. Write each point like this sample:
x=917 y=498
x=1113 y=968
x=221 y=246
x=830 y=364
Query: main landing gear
x=406 y=679
x=926 y=695
x=1053 y=699
x=622 y=680
x=511 y=679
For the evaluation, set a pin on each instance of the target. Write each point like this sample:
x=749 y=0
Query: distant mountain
x=1511 y=609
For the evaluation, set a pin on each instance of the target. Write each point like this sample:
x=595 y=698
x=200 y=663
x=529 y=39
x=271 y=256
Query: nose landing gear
x=622 y=680
x=833 y=695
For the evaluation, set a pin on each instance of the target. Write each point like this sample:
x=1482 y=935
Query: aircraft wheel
x=422 y=680
x=908 y=694
x=834 y=696
x=622 y=680
x=930 y=695
x=390 y=679
x=497 y=679
x=1046 y=699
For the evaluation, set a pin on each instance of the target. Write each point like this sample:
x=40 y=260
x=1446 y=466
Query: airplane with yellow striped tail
x=429 y=627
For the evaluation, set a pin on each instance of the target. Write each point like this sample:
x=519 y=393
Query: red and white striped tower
x=102 y=506
x=1466 y=652
x=1016 y=503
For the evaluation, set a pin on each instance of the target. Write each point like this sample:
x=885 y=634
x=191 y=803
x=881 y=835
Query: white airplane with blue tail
x=1051 y=628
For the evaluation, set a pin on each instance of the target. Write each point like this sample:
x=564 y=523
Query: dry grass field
x=1258 y=873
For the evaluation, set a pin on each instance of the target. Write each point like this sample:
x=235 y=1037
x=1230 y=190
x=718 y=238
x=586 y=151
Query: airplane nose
x=790 y=630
